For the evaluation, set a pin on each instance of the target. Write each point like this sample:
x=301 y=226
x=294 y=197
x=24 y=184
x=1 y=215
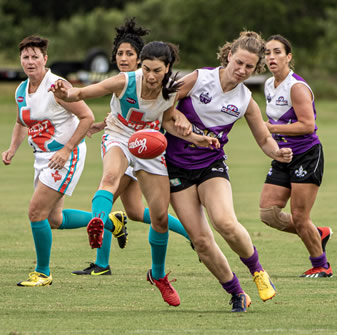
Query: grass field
x=125 y=303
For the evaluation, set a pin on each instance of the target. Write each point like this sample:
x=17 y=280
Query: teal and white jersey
x=49 y=125
x=129 y=112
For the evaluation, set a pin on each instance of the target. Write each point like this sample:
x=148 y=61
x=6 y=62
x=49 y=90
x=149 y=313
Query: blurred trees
x=199 y=27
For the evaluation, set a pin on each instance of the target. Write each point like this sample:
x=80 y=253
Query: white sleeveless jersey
x=50 y=126
x=129 y=112
x=212 y=112
x=279 y=110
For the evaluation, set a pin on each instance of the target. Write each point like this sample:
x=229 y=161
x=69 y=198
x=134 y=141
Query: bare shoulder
x=188 y=83
x=300 y=92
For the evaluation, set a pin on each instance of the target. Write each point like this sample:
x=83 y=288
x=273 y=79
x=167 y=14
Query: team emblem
x=230 y=110
x=57 y=177
x=281 y=101
x=205 y=98
x=300 y=172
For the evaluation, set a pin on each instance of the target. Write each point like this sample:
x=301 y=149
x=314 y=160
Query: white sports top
x=280 y=110
x=49 y=125
x=129 y=112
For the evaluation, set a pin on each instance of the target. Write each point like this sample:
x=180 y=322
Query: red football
x=147 y=143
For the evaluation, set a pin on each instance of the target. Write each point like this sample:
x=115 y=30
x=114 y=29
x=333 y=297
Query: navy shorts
x=180 y=178
x=304 y=168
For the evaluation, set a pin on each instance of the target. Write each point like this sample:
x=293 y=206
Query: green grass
x=125 y=303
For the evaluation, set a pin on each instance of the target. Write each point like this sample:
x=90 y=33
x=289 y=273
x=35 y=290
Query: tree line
x=199 y=27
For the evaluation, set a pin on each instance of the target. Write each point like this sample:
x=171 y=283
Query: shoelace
x=236 y=301
x=261 y=282
x=166 y=281
x=92 y=265
x=118 y=231
x=33 y=276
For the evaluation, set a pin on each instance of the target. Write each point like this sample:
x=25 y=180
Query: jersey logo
x=230 y=110
x=131 y=101
x=135 y=121
x=57 y=177
x=281 y=101
x=41 y=131
x=20 y=99
x=268 y=97
x=218 y=170
x=279 y=138
x=205 y=98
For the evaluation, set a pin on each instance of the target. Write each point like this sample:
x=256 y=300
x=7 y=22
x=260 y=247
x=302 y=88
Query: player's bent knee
x=275 y=218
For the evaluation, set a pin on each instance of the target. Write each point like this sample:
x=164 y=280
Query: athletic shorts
x=181 y=179
x=154 y=166
x=65 y=179
x=304 y=168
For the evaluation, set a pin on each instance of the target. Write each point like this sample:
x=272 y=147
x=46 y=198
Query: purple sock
x=319 y=262
x=233 y=286
x=253 y=262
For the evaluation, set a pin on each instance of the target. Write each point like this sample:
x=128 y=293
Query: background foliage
x=199 y=27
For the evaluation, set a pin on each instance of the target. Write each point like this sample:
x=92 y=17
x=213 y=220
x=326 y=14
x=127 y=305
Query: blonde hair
x=248 y=40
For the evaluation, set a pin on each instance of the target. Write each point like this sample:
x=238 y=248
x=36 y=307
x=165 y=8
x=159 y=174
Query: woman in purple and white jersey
x=213 y=100
x=291 y=120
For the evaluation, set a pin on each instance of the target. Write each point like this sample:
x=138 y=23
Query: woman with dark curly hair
x=127 y=46
x=143 y=99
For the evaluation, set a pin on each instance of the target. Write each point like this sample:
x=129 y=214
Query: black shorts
x=180 y=178
x=304 y=168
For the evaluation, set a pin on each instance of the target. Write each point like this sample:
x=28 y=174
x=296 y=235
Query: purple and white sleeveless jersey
x=212 y=112
x=280 y=111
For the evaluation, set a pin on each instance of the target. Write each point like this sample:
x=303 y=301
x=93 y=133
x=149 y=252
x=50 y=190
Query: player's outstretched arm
x=64 y=91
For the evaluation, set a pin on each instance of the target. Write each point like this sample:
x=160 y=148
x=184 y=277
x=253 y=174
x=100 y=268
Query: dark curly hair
x=129 y=33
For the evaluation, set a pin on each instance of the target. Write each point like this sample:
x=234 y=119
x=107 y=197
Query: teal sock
x=43 y=240
x=158 y=242
x=146 y=216
x=101 y=207
x=173 y=223
x=73 y=218
x=103 y=253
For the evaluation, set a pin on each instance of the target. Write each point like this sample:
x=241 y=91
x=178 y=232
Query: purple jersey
x=212 y=112
x=280 y=111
